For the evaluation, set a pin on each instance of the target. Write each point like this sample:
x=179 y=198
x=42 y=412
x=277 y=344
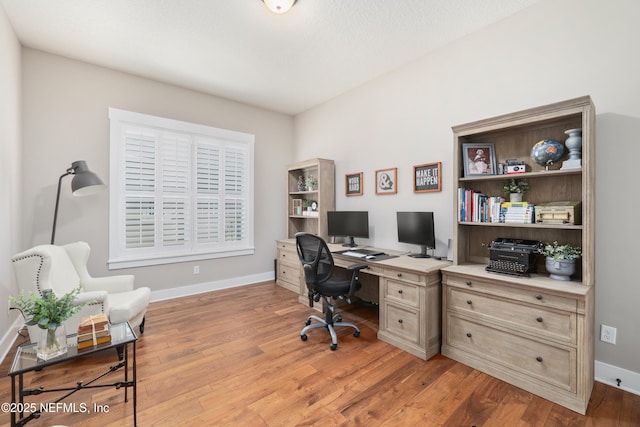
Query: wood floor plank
x=234 y=357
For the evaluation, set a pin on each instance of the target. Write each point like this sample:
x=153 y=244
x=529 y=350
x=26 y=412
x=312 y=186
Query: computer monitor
x=348 y=224
x=417 y=228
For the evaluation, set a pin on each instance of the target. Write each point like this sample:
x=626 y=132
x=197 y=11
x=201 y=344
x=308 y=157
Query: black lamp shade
x=84 y=181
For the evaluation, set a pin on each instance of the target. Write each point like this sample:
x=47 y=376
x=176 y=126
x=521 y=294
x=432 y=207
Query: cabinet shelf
x=511 y=225
x=539 y=174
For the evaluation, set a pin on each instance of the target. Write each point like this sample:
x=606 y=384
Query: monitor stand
x=422 y=254
x=351 y=243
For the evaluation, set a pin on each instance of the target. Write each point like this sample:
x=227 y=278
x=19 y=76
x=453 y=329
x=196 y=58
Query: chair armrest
x=353 y=267
x=111 y=284
x=90 y=297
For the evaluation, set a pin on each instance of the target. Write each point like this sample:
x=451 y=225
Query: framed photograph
x=387 y=181
x=353 y=184
x=479 y=159
x=426 y=178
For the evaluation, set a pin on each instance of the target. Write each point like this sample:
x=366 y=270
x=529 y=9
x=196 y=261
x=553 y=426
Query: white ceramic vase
x=560 y=269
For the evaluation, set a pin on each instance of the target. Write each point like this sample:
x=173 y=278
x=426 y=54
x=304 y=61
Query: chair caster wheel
x=307 y=322
x=338 y=318
x=303 y=337
x=356 y=334
x=333 y=346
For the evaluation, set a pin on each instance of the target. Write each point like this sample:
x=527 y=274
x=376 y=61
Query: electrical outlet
x=196 y=269
x=608 y=334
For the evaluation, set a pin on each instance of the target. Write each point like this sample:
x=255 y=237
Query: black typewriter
x=513 y=256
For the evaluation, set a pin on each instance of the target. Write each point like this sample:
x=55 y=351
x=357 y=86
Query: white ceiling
x=239 y=50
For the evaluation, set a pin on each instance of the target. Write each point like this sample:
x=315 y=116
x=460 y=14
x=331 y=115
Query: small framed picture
x=426 y=178
x=353 y=184
x=478 y=159
x=387 y=181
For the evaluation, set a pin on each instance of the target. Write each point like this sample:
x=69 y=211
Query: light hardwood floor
x=234 y=358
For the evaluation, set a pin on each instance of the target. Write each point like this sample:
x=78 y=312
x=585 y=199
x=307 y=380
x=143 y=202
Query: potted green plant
x=561 y=259
x=48 y=313
x=515 y=188
x=311 y=182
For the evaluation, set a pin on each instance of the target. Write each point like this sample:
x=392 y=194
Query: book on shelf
x=477 y=207
x=517 y=213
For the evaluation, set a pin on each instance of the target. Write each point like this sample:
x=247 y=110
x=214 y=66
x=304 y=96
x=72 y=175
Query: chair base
x=330 y=326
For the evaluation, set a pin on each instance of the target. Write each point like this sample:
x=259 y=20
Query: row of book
x=477 y=207
x=93 y=330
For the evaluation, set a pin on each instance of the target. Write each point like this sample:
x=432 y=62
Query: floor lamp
x=84 y=182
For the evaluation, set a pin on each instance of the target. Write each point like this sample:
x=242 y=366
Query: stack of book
x=478 y=207
x=93 y=330
x=517 y=213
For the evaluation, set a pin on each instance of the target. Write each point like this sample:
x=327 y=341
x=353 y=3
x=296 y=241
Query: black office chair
x=318 y=268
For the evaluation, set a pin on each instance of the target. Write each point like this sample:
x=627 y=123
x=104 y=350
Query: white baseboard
x=199 y=288
x=609 y=374
x=9 y=338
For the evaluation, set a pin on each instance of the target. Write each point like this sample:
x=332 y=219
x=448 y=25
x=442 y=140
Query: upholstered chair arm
x=110 y=284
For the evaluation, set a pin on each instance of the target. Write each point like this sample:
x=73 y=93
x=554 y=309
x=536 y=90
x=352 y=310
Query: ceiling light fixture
x=279 y=6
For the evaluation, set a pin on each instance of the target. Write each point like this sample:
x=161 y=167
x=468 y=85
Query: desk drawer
x=406 y=293
x=288 y=256
x=289 y=277
x=402 y=322
x=553 y=365
x=401 y=275
x=522 y=294
x=560 y=325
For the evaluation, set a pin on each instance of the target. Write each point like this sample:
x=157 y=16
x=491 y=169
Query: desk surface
x=402 y=261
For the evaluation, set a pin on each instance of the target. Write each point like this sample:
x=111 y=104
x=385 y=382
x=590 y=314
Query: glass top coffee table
x=25 y=360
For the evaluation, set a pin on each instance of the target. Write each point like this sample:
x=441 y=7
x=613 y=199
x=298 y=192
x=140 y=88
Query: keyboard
x=354 y=254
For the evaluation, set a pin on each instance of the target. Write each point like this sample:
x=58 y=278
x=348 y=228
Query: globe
x=547 y=152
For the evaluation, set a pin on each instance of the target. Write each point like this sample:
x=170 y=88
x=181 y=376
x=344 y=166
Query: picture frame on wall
x=387 y=181
x=426 y=177
x=353 y=184
x=479 y=159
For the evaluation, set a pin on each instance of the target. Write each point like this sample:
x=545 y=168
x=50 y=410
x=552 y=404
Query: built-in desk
x=408 y=291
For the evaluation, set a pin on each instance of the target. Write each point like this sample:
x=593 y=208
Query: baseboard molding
x=199 y=288
x=609 y=374
x=9 y=338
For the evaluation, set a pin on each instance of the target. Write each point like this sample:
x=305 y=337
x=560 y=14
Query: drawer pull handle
x=539 y=358
x=469 y=334
x=469 y=301
x=399 y=320
x=539 y=297
x=539 y=319
x=399 y=291
x=399 y=274
x=468 y=283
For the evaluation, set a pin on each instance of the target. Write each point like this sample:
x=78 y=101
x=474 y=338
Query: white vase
x=51 y=343
x=515 y=197
x=560 y=269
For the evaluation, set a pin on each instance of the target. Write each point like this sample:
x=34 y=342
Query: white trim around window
x=178 y=191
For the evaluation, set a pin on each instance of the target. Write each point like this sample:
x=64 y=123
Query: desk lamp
x=83 y=183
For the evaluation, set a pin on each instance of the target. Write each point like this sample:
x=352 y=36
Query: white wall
x=550 y=52
x=10 y=162
x=66 y=119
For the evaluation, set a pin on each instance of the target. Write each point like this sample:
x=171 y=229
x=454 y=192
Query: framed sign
x=387 y=181
x=426 y=178
x=353 y=184
x=478 y=159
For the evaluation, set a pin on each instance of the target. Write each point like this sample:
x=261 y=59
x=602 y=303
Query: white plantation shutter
x=178 y=191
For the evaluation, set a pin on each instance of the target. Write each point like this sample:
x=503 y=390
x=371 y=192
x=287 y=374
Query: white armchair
x=64 y=268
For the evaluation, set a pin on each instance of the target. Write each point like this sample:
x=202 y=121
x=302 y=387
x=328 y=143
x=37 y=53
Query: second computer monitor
x=417 y=228
x=348 y=224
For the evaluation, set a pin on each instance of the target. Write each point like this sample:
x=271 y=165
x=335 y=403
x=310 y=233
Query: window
x=178 y=191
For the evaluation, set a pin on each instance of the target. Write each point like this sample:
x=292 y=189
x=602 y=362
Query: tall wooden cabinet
x=533 y=332
x=300 y=199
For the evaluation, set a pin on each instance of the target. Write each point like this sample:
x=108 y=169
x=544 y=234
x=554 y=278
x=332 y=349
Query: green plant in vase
x=48 y=313
x=312 y=183
x=514 y=188
x=561 y=259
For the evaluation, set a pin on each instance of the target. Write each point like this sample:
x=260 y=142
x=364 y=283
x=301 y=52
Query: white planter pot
x=560 y=269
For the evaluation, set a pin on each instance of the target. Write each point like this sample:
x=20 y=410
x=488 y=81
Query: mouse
x=370 y=257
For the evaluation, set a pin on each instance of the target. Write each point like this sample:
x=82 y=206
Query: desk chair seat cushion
x=333 y=287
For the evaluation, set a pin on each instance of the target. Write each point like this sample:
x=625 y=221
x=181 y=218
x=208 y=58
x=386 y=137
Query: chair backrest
x=45 y=267
x=316 y=258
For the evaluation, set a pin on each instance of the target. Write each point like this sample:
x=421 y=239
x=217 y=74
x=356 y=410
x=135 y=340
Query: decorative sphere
x=547 y=152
